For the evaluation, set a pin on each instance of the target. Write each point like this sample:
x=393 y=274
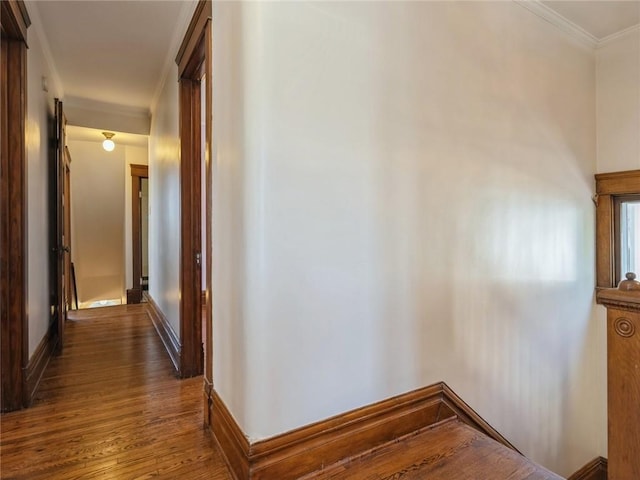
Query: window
x=628 y=241
x=617 y=226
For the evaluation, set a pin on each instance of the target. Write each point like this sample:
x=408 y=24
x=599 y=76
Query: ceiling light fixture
x=108 y=144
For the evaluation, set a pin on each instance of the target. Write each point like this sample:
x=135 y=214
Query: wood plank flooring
x=450 y=450
x=111 y=407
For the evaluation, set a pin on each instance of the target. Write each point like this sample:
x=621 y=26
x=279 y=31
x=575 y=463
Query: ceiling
x=600 y=18
x=95 y=135
x=114 y=52
x=117 y=53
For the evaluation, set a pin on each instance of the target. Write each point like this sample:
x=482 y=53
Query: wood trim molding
x=190 y=47
x=195 y=61
x=15 y=19
x=138 y=172
x=39 y=361
x=618 y=183
x=310 y=448
x=14 y=325
x=207 y=299
x=619 y=299
x=596 y=469
x=165 y=331
x=191 y=234
x=134 y=295
x=471 y=418
x=610 y=186
x=233 y=443
x=605 y=256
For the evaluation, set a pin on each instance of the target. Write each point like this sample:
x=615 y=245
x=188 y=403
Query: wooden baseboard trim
x=310 y=448
x=596 y=469
x=134 y=295
x=229 y=436
x=38 y=363
x=469 y=416
x=165 y=331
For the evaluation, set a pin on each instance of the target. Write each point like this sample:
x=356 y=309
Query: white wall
x=39 y=108
x=618 y=112
x=402 y=196
x=618 y=80
x=137 y=155
x=97 y=219
x=164 y=203
x=230 y=152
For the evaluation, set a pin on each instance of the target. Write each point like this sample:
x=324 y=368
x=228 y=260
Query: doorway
x=139 y=232
x=103 y=197
x=194 y=68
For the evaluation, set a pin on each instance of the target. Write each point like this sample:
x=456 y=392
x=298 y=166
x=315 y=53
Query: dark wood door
x=57 y=247
x=66 y=240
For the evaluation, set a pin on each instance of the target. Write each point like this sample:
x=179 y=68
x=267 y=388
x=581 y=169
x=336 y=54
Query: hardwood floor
x=450 y=450
x=111 y=407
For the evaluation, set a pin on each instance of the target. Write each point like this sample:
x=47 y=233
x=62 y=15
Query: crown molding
x=577 y=32
x=618 y=35
x=182 y=23
x=548 y=14
x=36 y=24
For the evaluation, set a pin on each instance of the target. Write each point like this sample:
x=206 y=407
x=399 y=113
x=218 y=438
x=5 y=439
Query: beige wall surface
x=402 y=196
x=39 y=108
x=97 y=219
x=618 y=93
x=164 y=203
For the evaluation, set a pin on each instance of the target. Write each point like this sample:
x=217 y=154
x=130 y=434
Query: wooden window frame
x=611 y=188
x=617 y=203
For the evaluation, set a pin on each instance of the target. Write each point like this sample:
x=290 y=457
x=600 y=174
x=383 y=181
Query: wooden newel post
x=623 y=377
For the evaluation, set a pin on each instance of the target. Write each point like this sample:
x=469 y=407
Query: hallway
x=111 y=407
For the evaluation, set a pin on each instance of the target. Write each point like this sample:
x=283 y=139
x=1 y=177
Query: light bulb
x=108 y=145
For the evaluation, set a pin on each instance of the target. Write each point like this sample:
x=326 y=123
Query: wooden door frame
x=14 y=324
x=194 y=61
x=138 y=172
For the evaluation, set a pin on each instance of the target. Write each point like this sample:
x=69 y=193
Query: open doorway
x=105 y=190
x=139 y=233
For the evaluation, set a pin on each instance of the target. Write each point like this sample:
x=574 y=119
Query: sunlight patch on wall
x=32 y=135
x=527 y=238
